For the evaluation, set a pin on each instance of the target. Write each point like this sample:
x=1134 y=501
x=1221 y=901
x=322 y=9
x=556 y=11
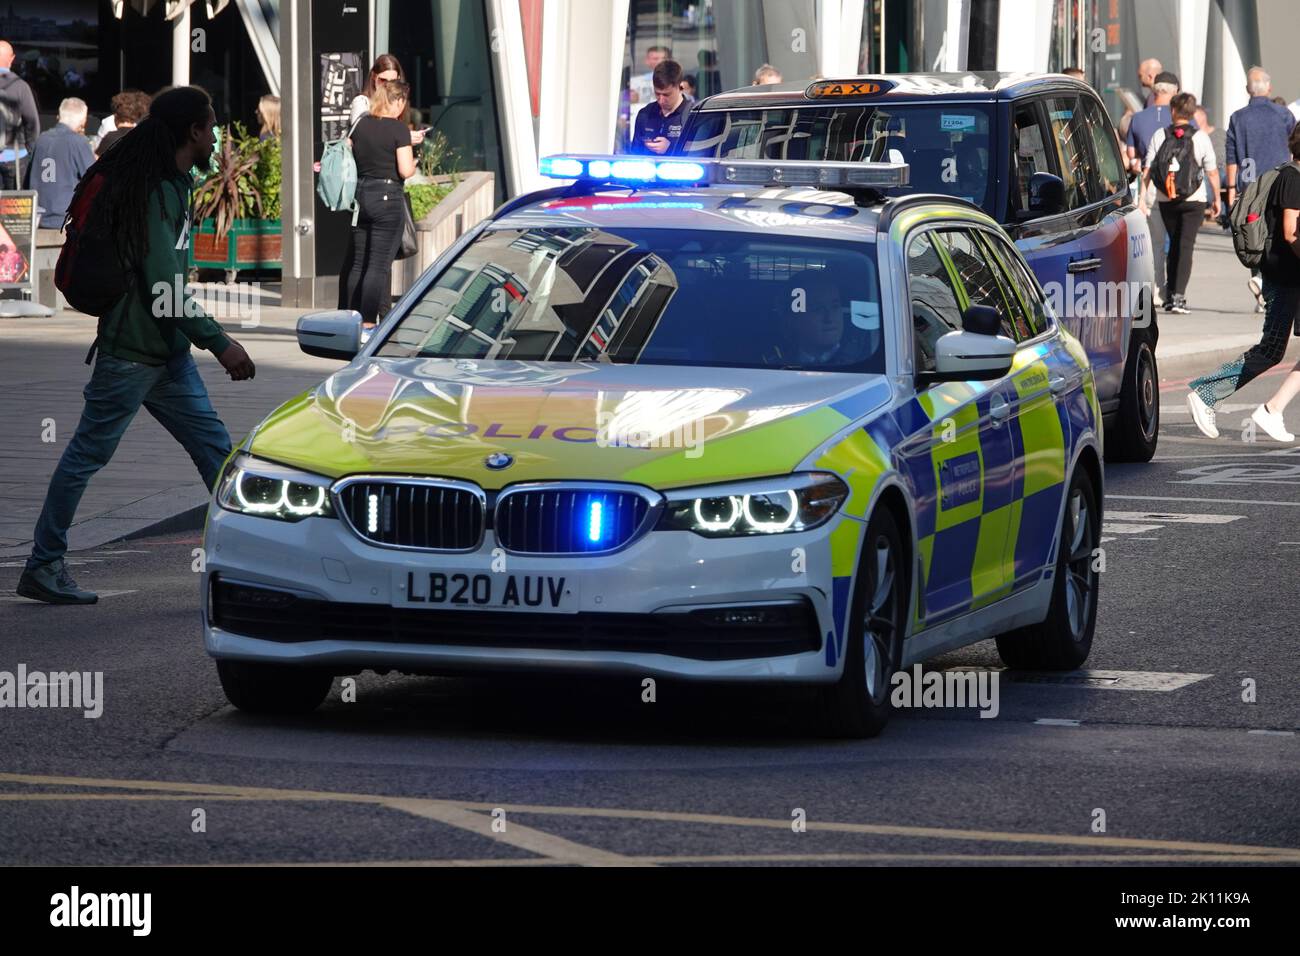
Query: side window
x=1029 y=153
x=933 y=300
x=979 y=277
x=1070 y=135
x=1017 y=274
x=1105 y=148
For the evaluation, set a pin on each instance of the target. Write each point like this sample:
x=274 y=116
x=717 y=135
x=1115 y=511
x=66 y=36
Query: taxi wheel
x=258 y=688
x=857 y=705
x=1063 y=640
x=1136 y=430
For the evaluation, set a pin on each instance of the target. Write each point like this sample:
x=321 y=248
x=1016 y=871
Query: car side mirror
x=1046 y=195
x=977 y=353
x=333 y=334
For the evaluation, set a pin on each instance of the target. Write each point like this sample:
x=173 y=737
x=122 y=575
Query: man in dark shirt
x=1280 y=276
x=659 y=124
x=60 y=158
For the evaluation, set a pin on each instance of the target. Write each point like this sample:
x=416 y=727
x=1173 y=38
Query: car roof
x=770 y=210
x=907 y=87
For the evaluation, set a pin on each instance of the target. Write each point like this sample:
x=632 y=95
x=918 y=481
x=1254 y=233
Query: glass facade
x=445 y=51
x=719 y=43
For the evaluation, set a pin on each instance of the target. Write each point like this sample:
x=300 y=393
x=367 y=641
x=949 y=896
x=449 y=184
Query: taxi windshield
x=946 y=146
x=652 y=297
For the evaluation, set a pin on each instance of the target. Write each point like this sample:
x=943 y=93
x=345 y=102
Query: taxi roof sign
x=856 y=86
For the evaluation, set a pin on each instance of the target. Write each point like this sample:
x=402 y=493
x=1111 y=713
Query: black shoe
x=53 y=584
x=1178 y=305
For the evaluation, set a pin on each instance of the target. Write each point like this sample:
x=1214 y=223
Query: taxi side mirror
x=333 y=334
x=1046 y=195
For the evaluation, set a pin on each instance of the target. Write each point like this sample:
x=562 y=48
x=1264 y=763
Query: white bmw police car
x=729 y=421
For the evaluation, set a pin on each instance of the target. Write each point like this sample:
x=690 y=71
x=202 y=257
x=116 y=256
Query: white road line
x=1115 y=527
x=1165 y=517
x=1103 y=679
x=1272 y=733
x=1212 y=501
x=1056 y=722
x=102 y=594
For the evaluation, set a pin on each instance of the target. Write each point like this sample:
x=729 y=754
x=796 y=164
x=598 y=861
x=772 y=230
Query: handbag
x=410 y=245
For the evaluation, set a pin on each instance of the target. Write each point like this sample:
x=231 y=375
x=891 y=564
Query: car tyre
x=1063 y=640
x=857 y=705
x=259 y=688
x=1136 y=430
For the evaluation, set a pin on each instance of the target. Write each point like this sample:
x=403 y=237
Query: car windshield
x=652 y=297
x=945 y=146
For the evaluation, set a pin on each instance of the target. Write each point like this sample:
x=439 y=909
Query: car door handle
x=999 y=408
x=1058 y=384
x=1083 y=265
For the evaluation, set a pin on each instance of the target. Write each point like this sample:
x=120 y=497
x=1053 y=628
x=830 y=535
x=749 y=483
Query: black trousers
x=366 y=282
x=1182 y=219
x=11 y=179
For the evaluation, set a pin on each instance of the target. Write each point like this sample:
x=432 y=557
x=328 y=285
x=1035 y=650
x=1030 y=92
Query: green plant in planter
x=267 y=175
x=234 y=190
x=436 y=160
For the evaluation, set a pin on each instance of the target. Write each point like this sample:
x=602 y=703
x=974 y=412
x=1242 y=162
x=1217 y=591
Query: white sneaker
x=1202 y=415
x=1272 y=424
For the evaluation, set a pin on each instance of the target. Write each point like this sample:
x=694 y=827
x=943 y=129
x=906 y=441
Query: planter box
x=250 y=244
x=463 y=208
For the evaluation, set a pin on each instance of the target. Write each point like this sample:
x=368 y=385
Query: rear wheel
x=857 y=705
x=1063 y=640
x=259 y=688
x=1136 y=429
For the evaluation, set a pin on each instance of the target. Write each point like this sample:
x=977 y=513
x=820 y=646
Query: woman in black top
x=382 y=148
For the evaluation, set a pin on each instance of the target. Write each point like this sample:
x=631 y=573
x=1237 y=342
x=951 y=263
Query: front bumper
x=313 y=593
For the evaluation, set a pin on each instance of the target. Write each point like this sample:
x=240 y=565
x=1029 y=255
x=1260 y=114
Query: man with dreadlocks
x=144 y=339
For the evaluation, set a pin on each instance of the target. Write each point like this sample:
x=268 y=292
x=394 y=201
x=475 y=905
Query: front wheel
x=857 y=705
x=1136 y=429
x=1063 y=640
x=259 y=688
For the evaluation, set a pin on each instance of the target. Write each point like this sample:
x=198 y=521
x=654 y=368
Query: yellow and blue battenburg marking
x=987 y=491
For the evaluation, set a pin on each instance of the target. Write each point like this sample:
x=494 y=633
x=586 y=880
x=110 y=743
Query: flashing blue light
x=561 y=167
x=598 y=169
x=594 y=530
x=634 y=169
x=681 y=172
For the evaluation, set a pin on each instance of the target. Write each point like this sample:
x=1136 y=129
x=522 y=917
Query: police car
x=702 y=420
x=1037 y=152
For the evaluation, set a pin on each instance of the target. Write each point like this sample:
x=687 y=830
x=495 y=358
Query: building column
x=582 y=64
x=514 y=109
x=1024 y=36
x=181 y=48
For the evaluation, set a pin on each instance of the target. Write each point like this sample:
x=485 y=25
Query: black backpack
x=1175 y=170
x=90 y=272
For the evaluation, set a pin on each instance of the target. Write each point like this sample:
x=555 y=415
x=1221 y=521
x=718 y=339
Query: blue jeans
x=174 y=394
x=1281 y=311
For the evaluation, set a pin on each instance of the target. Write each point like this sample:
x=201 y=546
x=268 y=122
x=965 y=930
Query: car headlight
x=268 y=490
x=766 y=506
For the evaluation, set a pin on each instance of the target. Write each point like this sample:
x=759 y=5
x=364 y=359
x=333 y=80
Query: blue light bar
x=651 y=170
x=594 y=530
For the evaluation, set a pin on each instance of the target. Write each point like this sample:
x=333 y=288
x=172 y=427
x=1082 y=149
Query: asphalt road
x=1198 y=595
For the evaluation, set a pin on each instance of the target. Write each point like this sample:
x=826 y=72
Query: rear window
x=947 y=147
x=652 y=297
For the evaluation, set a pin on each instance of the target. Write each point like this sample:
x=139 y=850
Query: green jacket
x=157 y=319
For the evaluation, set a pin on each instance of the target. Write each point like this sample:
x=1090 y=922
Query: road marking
x=1116 y=527
x=1213 y=501
x=1088 y=677
x=1273 y=733
x=1166 y=517
x=1056 y=722
x=1223 y=851
x=102 y=594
